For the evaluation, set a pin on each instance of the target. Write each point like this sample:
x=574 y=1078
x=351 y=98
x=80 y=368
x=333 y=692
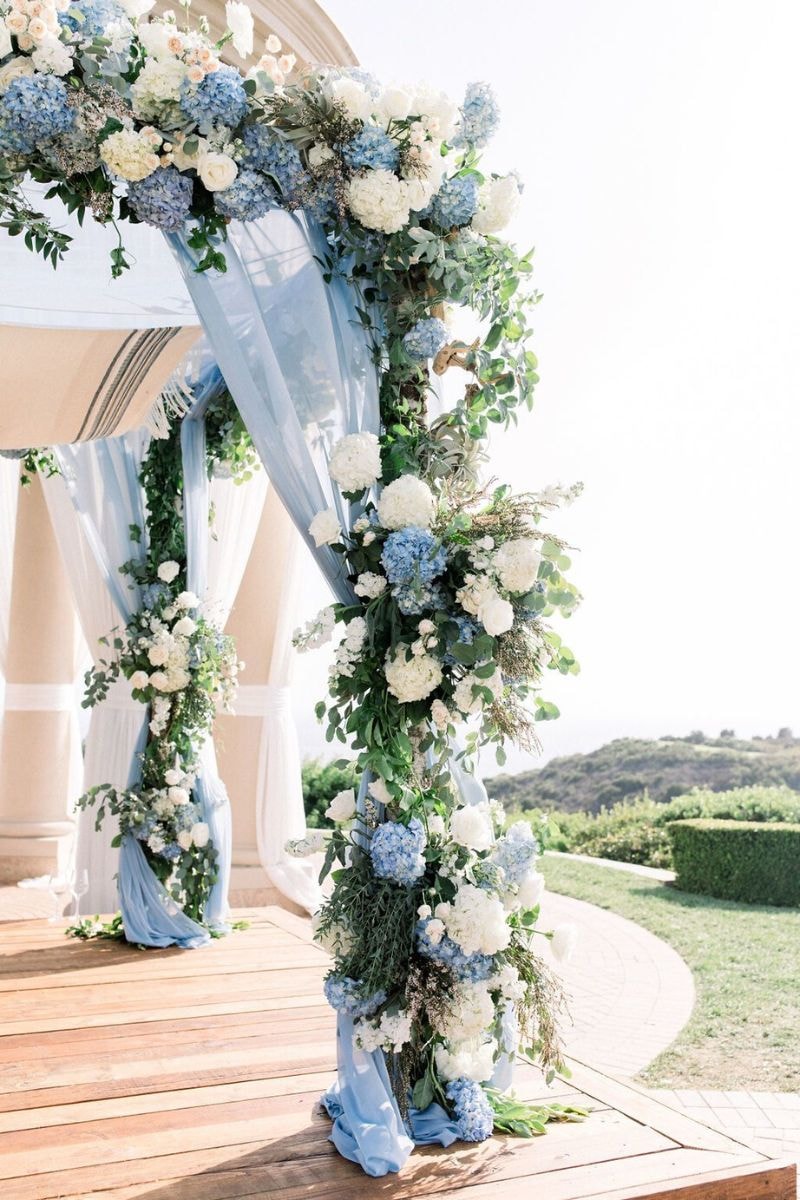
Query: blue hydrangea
x=397 y=851
x=272 y=154
x=456 y=202
x=147 y=826
x=425 y=339
x=153 y=593
x=471 y=967
x=171 y=852
x=467 y=632
x=249 y=197
x=162 y=199
x=34 y=110
x=415 y=598
x=97 y=16
x=344 y=995
x=471 y=1109
x=413 y=554
x=372 y=148
x=220 y=99
x=515 y=852
x=480 y=116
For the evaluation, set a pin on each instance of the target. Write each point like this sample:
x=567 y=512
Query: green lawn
x=745 y=958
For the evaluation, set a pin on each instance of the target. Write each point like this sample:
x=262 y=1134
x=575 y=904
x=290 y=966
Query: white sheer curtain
x=9 y=492
x=236 y=513
x=116 y=723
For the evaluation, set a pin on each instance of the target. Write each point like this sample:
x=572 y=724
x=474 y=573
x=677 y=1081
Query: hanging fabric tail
x=173 y=401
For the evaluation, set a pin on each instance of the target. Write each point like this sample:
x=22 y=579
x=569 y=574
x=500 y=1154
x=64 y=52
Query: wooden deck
x=195 y=1075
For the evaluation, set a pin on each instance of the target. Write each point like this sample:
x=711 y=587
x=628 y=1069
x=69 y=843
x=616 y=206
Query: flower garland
x=434 y=908
x=177 y=662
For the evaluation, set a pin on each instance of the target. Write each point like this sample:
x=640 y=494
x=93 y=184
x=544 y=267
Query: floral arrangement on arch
x=432 y=919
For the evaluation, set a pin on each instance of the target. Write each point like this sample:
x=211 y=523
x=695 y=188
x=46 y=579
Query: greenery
x=743 y=1031
x=738 y=860
x=321 y=782
x=636 y=831
x=664 y=768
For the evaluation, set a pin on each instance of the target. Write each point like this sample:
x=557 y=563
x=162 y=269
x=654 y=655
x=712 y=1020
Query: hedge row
x=755 y=862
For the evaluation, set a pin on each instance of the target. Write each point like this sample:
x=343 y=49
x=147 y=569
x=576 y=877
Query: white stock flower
x=217 y=171
x=517 y=564
x=200 y=834
x=239 y=20
x=325 y=528
x=379 y=200
x=369 y=585
x=411 y=679
x=15 y=68
x=168 y=571
x=352 y=97
x=466 y=1060
x=342 y=807
x=563 y=942
x=355 y=462
x=139 y=680
x=185 y=627
x=529 y=892
x=315 y=632
x=472 y=826
x=498 y=203
x=407 y=501
x=477 y=921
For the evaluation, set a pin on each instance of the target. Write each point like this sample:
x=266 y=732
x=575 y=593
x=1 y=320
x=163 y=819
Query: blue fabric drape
x=102 y=478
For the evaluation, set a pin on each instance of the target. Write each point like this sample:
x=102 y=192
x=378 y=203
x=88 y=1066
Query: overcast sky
x=659 y=147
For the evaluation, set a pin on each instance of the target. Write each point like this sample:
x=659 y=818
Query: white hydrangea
x=52 y=57
x=413 y=678
x=466 y=1060
x=391 y=1032
x=352 y=97
x=379 y=200
x=507 y=981
x=476 y=920
x=342 y=807
x=498 y=203
x=469 y=1013
x=129 y=154
x=517 y=564
x=355 y=462
x=472 y=826
x=369 y=585
x=468 y=700
x=325 y=528
x=407 y=501
x=158 y=83
x=437 y=111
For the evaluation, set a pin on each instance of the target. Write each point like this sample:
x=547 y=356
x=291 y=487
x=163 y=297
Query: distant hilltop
x=664 y=767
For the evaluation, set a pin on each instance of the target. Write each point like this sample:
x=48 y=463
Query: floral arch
x=323 y=226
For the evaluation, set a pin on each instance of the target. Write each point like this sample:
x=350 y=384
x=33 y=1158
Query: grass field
x=745 y=960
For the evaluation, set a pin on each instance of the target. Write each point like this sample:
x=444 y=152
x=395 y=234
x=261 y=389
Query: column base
x=250 y=888
x=31 y=848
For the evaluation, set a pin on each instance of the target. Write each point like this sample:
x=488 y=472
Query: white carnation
x=15 y=68
x=369 y=585
x=217 y=171
x=414 y=678
x=498 y=203
x=342 y=807
x=239 y=20
x=379 y=200
x=472 y=826
x=477 y=921
x=407 y=501
x=325 y=528
x=355 y=462
x=517 y=564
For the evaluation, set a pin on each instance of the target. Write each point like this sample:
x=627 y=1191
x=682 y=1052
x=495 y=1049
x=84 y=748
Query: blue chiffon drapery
x=102 y=479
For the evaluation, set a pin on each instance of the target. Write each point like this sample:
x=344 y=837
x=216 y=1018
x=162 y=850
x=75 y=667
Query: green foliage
x=528 y=1120
x=321 y=782
x=37 y=462
x=88 y=928
x=755 y=862
x=664 y=768
x=229 y=447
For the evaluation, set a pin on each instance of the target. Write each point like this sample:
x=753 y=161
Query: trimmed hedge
x=755 y=862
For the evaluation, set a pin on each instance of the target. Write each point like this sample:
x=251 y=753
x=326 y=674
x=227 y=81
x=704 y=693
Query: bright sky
x=660 y=152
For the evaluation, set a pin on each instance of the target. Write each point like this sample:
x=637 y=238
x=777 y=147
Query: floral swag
x=433 y=913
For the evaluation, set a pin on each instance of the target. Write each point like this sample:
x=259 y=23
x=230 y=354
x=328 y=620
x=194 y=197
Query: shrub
x=321 y=782
x=751 y=861
x=757 y=803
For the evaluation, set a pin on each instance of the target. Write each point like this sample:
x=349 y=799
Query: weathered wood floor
x=195 y=1075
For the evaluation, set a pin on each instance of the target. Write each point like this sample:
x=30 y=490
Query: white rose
x=173 y=777
x=407 y=501
x=187 y=600
x=424 y=911
x=352 y=97
x=185 y=627
x=325 y=528
x=494 y=613
x=168 y=571
x=184 y=839
x=563 y=942
x=159 y=681
x=217 y=171
x=158 y=655
x=178 y=795
x=342 y=807
x=517 y=564
x=318 y=154
x=530 y=890
x=200 y=834
x=139 y=680
x=15 y=68
x=471 y=826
